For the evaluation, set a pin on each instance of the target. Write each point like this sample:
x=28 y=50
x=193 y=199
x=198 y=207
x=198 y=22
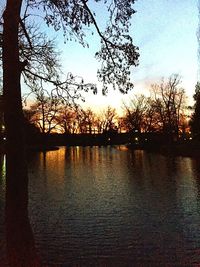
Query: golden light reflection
x=81 y=154
x=122 y=148
x=53 y=165
x=75 y=153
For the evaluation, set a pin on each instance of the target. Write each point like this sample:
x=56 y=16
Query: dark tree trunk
x=20 y=242
x=12 y=95
x=16 y=172
x=21 y=250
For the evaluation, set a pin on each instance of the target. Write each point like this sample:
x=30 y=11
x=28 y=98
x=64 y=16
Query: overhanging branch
x=98 y=31
x=26 y=33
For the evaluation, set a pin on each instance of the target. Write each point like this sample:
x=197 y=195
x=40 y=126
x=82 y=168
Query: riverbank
x=184 y=149
x=152 y=143
x=187 y=149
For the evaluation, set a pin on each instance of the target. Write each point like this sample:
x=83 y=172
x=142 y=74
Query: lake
x=110 y=206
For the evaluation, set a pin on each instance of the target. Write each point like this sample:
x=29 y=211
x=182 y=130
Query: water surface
x=109 y=206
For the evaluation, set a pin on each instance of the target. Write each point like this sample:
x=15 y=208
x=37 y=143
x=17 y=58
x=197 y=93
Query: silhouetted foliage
x=25 y=50
x=117 y=52
x=38 y=52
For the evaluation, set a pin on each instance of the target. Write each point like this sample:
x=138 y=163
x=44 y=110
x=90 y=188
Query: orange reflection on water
x=103 y=201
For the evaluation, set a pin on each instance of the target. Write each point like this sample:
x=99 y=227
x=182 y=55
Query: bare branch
x=26 y=33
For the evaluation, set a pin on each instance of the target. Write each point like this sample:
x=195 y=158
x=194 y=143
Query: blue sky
x=165 y=32
x=167 y=39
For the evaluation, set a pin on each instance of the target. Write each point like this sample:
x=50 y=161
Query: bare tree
x=66 y=119
x=89 y=120
x=85 y=120
x=45 y=112
x=99 y=123
x=117 y=53
x=109 y=119
x=135 y=112
x=169 y=99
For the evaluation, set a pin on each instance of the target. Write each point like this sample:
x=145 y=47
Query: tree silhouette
x=169 y=100
x=195 y=120
x=67 y=119
x=45 y=112
x=135 y=112
x=117 y=52
x=21 y=52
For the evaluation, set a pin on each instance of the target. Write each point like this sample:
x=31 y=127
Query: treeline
x=164 y=111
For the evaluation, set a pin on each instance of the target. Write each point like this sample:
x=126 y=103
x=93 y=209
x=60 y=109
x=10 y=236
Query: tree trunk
x=19 y=233
x=12 y=93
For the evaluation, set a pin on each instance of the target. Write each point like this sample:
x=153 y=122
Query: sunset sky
x=165 y=32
